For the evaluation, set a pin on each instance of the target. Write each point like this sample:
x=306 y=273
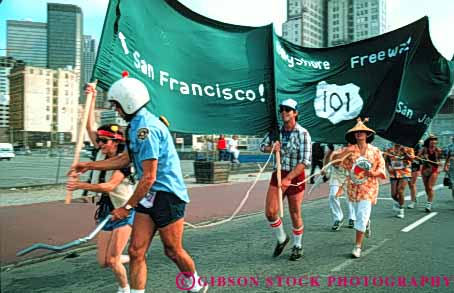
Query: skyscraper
x=369 y=18
x=90 y=48
x=354 y=20
x=89 y=59
x=321 y=23
x=27 y=41
x=306 y=23
x=65 y=39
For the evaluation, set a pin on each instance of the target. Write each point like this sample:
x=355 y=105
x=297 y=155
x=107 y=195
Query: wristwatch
x=128 y=207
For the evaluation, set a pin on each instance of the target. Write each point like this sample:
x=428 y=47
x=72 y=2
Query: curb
x=34 y=186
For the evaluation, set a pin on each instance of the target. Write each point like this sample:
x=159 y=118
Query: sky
x=245 y=12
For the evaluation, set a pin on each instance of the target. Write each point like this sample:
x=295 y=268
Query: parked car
x=6 y=151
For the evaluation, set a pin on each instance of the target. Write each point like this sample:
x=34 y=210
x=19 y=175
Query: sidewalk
x=26 y=219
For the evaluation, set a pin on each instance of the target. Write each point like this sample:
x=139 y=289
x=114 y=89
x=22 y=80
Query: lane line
x=419 y=194
x=363 y=253
x=419 y=222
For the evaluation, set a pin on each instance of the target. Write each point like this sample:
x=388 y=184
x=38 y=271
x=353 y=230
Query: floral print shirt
x=369 y=189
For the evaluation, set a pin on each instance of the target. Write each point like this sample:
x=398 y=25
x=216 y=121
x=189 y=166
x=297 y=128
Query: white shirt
x=232 y=145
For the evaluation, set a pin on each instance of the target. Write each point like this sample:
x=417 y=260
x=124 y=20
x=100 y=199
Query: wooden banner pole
x=80 y=139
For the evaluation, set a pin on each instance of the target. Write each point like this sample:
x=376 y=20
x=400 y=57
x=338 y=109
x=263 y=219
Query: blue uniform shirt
x=150 y=139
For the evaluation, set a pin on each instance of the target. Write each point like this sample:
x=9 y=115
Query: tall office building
x=27 y=41
x=340 y=22
x=327 y=23
x=89 y=49
x=354 y=20
x=65 y=39
x=43 y=102
x=306 y=22
x=89 y=59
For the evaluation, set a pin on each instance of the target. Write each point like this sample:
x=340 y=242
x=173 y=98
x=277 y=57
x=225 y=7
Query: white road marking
x=419 y=194
x=419 y=222
x=363 y=253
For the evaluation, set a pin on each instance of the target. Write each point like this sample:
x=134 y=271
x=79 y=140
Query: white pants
x=235 y=154
x=335 y=205
x=362 y=210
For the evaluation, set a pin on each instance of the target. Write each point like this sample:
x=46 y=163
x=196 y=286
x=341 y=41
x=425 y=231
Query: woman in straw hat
x=430 y=168
x=365 y=164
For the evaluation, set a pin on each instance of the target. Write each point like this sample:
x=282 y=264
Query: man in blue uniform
x=161 y=196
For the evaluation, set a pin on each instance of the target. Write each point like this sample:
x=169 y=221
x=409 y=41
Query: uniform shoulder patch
x=142 y=133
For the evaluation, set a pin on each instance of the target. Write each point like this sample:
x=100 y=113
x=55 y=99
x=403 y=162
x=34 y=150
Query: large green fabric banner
x=425 y=86
x=398 y=80
x=211 y=77
x=203 y=76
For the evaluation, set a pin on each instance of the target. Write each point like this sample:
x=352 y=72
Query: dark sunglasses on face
x=285 y=108
x=103 y=140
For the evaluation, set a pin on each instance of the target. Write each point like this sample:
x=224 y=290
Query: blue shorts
x=112 y=225
x=167 y=208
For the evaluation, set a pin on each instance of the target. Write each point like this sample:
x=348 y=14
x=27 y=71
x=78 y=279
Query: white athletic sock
x=278 y=229
x=297 y=236
x=124 y=290
x=137 y=291
x=197 y=287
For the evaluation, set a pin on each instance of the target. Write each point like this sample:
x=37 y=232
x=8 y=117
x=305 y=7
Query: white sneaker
x=356 y=253
x=400 y=214
x=412 y=205
x=428 y=207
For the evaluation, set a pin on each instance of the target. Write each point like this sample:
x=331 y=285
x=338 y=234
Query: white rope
x=323 y=169
x=243 y=202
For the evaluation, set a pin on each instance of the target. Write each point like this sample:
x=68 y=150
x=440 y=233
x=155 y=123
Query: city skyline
x=400 y=13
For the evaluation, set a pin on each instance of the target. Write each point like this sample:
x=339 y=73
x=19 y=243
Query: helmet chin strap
x=128 y=117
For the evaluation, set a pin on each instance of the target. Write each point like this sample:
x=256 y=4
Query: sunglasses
x=103 y=140
x=285 y=108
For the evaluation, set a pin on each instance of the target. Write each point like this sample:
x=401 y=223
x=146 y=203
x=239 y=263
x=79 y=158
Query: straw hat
x=350 y=135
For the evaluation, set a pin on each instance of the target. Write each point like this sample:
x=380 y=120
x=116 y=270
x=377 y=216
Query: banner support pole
x=80 y=138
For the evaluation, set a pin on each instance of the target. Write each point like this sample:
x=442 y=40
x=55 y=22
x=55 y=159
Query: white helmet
x=130 y=93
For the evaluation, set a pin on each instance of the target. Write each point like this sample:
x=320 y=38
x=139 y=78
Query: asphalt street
x=236 y=257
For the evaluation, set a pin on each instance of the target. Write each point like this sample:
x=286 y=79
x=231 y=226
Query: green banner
x=398 y=80
x=425 y=87
x=210 y=77
x=204 y=76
